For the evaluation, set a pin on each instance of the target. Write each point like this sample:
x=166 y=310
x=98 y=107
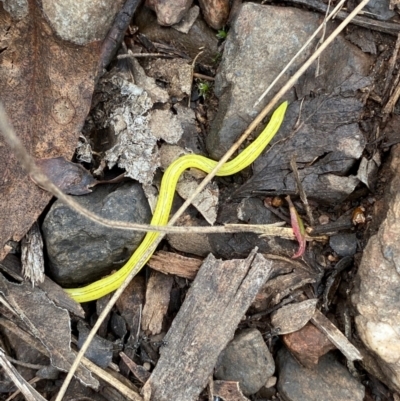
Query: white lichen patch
x=135 y=145
x=165 y=125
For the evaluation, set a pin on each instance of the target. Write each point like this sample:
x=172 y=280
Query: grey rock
x=187 y=20
x=82 y=22
x=330 y=381
x=376 y=294
x=118 y=325
x=380 y=9
x=81 y=251
x=344 y=244
x=246 y=359
x=260 y=43
x=170 y=12
x=18 y=9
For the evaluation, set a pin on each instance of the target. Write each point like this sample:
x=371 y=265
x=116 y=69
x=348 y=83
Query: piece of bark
x=12 y=266
x=130 y=303
x=173 y=263
x=206 y=322
x=228 y=391
x=32 y=257
x=157 y=301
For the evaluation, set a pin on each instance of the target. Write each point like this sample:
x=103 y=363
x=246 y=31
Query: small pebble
x=344 y=244
x=323 y=219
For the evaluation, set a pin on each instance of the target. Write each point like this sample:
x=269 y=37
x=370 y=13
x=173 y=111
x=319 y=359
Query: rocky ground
x=188 y=79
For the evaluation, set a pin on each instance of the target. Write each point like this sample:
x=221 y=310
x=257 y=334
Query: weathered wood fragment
x=157 y=301
x=173 y=263
x=215 y=304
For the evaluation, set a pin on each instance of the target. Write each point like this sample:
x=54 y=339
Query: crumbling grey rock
x=326 y=145
x=260 y=42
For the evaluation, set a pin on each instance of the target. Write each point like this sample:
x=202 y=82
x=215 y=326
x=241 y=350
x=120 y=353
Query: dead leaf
x=206 y=202
x=368 y=169
x=71 y=178
x=46 y=84
x=293 y=317
x=47 y=322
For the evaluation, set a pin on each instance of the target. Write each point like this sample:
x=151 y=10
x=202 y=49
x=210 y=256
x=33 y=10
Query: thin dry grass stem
x=142 y=55
x=23 y=386
x=322 y=26
x=16 y=392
